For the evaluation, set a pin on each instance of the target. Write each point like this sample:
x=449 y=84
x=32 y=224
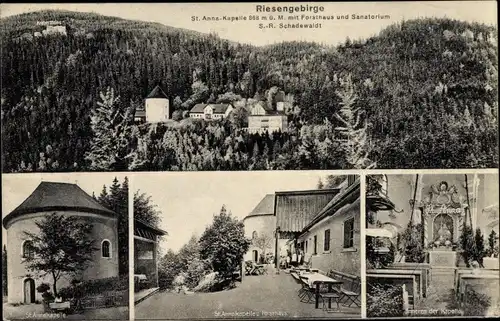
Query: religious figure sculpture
x=443 y=233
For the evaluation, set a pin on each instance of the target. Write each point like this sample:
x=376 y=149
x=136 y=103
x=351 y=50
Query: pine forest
x=420 y=94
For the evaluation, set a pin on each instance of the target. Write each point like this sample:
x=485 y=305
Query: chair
x=306 y=293
x=250 y=268
x=352 y=295
x=328 y=296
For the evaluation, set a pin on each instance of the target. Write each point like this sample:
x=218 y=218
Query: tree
x=145 y=210
x=413 y=247
x=4 y=271
x=63 y=246
x=177 y=115
x=239 y=117
x=111 y=124
x=492 y=244
x=333 y=181
x=189 y=252
x=355 y=143
x=168 y=268
x=320 y=184
x=263 y=241
x=123 y=232
x=223 y=243
x=479 y=249
x=467 y=244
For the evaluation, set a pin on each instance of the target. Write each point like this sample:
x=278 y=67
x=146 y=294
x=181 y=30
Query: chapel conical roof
x=265 y=207
x=157 y=93
x=54 y=196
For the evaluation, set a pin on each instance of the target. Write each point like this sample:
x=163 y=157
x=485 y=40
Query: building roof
x=295 y=210
x=269 y=111
x=157 y=93
x=140 y=227
x=53 y=196
x=348 y=195
x=274 y=113
x=140 y=113
x=218 y=108
x=265 y=207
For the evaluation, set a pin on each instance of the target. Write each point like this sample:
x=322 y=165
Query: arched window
x=254 y=235
x=106 y=249
x=28 y=251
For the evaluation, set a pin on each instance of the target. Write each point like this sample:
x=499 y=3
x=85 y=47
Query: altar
x=443 y=212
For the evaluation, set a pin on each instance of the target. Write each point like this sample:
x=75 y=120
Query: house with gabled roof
x=263 y=118
x=211 y=111
x=332 y=237
x=323 y=225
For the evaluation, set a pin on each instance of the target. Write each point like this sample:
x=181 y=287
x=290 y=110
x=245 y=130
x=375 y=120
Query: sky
x=17 y=187
x=188 y=200
x=332 y=32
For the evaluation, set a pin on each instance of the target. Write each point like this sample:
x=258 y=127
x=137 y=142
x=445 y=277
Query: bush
x=93 y=287
x=492 y=245
x=42 y=288
x=467 y=245
x=374 y=259
x=177 y=115
x=139 y=286
x=196 y=270
x=384 y=301
x=476 y=304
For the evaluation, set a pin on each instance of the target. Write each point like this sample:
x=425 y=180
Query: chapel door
x=29 y=291
x=255 y=256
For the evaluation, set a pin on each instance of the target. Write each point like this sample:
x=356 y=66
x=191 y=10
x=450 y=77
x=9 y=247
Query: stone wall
x=262 y=224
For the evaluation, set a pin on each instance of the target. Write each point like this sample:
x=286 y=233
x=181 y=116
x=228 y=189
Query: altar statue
x=443 y=233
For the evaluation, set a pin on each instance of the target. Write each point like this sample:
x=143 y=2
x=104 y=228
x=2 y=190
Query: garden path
x=264 y=296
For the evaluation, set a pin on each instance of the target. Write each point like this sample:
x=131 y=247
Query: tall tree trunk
x=54 y=285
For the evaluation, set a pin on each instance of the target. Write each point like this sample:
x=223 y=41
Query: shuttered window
x=326 y=244
x=349 y=233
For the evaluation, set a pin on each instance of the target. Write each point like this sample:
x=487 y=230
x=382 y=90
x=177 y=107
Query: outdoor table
x=316 y=279
x=140 y=277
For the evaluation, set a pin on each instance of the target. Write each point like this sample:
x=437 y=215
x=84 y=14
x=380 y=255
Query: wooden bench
x=350 y=290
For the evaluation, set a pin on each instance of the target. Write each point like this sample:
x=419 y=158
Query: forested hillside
x=425 y=92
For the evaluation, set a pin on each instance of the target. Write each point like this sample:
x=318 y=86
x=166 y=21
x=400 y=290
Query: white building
x=262 y=118
x=156 y=108
x=211 y=111
x=260 y=227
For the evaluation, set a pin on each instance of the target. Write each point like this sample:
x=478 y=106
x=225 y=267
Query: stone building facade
x=67 y=200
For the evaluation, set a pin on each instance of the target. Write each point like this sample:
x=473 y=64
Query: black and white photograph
x=65 y=246
x=252 y=245
x=249 y=86
x=238 y=160
x=432 y=245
